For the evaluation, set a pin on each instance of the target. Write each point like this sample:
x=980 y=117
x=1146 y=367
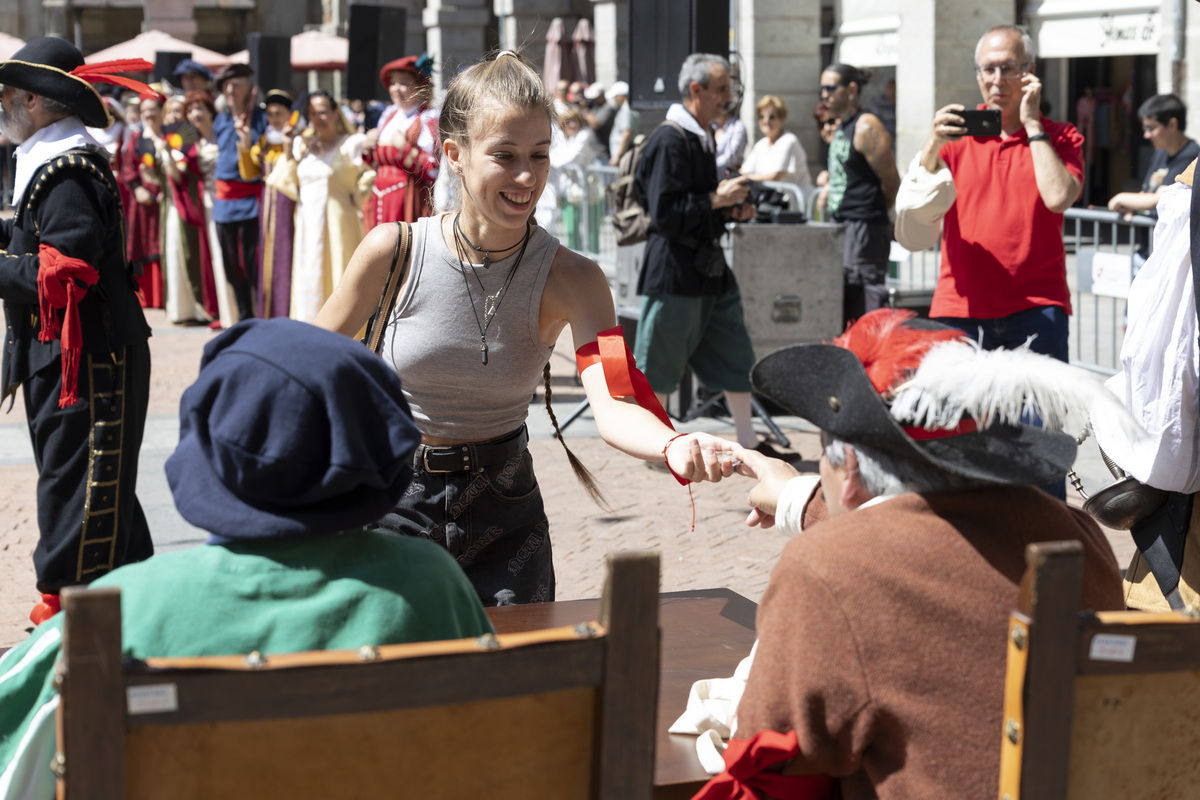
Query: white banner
x=1108 y=34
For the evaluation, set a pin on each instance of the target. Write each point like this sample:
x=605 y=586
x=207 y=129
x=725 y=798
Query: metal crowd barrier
x=1102 y=258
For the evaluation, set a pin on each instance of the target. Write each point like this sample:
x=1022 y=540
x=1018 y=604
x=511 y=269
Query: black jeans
x=492 y=522
x=239 y=249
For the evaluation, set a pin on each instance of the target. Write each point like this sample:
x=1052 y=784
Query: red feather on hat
x=103 y=72
x=888 y=347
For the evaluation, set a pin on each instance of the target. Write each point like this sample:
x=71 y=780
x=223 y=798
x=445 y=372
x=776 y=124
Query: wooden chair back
x=563 y=713
x=1096 y=704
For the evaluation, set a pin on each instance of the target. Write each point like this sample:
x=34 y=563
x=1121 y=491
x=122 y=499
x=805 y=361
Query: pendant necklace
x=487 y=254
x=491 y=303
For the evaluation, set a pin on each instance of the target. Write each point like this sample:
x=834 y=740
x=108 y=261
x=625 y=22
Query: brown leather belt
x=470 y=457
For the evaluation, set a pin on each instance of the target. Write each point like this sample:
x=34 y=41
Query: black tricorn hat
x=828 y=385
x=43 y=66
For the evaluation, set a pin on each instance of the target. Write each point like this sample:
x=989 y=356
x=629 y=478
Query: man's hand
x=743 y=212
x=241 y=125
x=772 y=475
x=1031 y=104
x=948 y=126
x=730 y=192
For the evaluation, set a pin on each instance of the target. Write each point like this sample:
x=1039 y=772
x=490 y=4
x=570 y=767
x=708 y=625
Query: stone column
x=610 y=25
x=937 y=63
x=779 y=45
x=454 y=35
x=171 y=16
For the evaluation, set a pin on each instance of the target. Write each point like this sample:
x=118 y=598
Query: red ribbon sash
x=57 y=289
x=746 y=776
x=237 y=190
x=621 y=374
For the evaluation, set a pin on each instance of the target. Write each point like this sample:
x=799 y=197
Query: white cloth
x=401 y=119
x=44 y=145
x=923 y=199
x=711 y=712
x=1159 y=383
x=684 y=119
x=784 y=155
x=789 y=509
x=206 y=156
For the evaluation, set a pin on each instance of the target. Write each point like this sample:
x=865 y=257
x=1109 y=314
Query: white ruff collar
x=46 y=145
x=684 y=119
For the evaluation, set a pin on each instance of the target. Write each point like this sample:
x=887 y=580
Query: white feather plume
x=958 y=379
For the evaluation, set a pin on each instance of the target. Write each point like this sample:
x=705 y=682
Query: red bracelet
x=682 y=481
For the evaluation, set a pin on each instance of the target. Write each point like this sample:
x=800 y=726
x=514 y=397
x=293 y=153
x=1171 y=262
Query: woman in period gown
x=324 y=172
x=403 y=149
x=143 y=172
x=276 y=217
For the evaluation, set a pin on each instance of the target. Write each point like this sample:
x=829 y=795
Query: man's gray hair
x=698 y=67
x=883 y=474
x=51 y=107
x=1015 y=30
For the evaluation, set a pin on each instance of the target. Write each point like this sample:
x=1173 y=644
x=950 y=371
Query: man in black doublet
x=76 y=339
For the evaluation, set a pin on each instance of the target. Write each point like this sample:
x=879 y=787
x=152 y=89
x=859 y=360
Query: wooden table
x=705 y=634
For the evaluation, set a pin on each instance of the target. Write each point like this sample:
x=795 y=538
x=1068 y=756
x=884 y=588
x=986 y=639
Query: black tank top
x=854 y=189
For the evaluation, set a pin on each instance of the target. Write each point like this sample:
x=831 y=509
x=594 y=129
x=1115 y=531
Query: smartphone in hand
x=981 y=122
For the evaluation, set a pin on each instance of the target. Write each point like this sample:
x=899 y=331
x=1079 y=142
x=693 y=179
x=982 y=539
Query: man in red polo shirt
x=998 y=201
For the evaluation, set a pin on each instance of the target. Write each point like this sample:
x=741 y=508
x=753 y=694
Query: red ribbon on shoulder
x=746 y=776
x=58 y=289
x=621 y=374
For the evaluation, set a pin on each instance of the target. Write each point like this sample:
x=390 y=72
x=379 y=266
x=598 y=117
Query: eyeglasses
x=831 y=87
x=1006 y=71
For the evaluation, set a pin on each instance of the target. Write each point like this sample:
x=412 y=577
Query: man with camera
x=997 y=198
x=691 y=307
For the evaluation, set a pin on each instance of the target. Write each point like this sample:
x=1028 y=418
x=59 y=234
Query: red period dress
x=143 y=239
x=404 y=175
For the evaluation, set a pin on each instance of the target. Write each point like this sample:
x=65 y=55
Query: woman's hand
x=701 y=457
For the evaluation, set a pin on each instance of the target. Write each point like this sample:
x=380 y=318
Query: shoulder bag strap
x=387 y=303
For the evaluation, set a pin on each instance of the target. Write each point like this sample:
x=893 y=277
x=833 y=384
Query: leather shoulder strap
x=387 y=302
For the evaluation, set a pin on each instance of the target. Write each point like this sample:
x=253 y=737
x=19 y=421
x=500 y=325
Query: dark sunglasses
x=831 y=87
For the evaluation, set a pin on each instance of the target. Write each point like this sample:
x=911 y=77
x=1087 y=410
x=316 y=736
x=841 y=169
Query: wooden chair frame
x=617 y=659
x=1095 y=704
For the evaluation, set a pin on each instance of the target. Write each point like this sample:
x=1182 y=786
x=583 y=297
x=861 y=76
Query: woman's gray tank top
x=433 y=340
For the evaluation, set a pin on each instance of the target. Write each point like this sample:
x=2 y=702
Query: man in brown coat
x=882 y=632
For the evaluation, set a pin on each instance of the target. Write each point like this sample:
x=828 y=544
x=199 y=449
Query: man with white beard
x=76 y=341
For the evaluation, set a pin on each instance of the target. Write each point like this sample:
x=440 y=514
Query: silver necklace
x=491 y=303
x=487 y=254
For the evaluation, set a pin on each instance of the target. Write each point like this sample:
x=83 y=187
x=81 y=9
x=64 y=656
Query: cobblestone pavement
x=649 y=510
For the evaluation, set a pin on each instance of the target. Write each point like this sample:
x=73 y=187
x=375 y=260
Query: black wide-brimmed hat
x=919 y=391
x=54 y=68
